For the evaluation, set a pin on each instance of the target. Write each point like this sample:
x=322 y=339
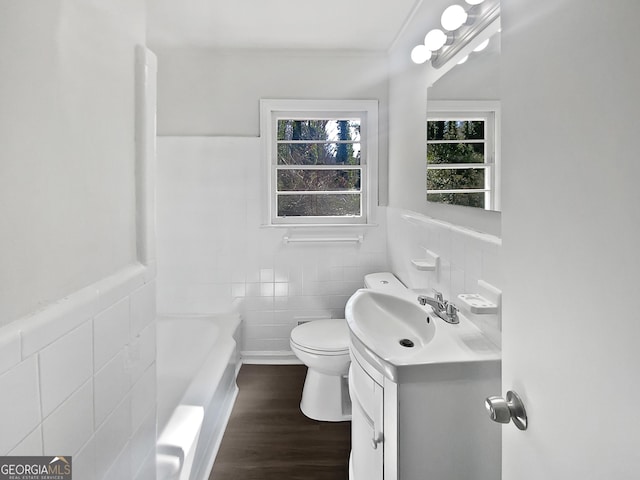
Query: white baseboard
x=283 y=357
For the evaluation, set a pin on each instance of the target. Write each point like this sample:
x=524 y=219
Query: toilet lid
x=324 y=335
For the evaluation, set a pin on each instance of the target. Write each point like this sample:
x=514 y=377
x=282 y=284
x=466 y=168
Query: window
x=321 y=161
x=461 y=155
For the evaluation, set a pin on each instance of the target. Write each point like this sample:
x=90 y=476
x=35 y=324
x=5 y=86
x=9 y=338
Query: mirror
x=463 y=131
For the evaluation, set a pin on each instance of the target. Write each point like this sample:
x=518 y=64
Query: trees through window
x=461 y=159
x=320 y=162
x=318 y=169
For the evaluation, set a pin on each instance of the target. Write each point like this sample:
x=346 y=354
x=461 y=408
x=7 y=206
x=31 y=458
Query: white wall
x=214 y=256
x=77 y=312
x=408 y=84
x=571 y=230
x=476 y=79
x=217 y=93
x=67 y=136
x=211 y=92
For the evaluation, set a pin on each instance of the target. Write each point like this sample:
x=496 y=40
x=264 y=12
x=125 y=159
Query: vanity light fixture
x=462 y=25
x=453 y=18
x=482 y=46
x=435 y=39
x=420 y=54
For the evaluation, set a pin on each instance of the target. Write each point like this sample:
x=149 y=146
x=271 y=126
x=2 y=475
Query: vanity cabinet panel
x=367 y=428
x=431 y=425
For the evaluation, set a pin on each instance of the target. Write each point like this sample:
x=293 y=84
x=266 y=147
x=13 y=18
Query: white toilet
x=323 y=346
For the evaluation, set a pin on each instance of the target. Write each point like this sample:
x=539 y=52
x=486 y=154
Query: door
x=571 y=237
x=367 y=445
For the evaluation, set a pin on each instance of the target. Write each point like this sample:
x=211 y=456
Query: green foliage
x=455 y=146
x=321 y=143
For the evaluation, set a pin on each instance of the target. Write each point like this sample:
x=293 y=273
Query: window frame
x=271 y=110
x=489 y=112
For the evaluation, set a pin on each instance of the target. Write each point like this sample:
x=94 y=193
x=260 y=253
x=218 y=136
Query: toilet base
x=326 y=397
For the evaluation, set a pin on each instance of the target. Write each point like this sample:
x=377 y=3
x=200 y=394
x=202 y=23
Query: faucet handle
x=452 y=313
x=438 y=296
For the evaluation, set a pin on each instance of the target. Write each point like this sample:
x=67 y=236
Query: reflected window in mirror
x=462 y=158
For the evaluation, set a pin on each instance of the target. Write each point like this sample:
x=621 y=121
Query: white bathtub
x=197 y=365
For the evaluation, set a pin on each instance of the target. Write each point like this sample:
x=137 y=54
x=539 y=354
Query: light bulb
x=463 y=60
x=420 y=54
x=435 y=39
x=453 y=18
x=474 y=2
x=482 y=46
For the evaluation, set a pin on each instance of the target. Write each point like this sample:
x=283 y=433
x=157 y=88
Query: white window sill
x=320 y=225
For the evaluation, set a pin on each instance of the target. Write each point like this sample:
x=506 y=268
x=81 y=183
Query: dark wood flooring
x=268 y=437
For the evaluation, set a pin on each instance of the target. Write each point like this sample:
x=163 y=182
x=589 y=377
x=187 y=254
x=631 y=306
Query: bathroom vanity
x=418 y=411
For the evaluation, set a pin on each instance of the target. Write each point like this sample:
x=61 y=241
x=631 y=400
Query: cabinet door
x=367 y=437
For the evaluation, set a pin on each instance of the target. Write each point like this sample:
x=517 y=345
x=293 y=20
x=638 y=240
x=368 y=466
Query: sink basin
x=397 y=336
x=392 y=325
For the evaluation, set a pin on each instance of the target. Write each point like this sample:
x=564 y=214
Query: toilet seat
x=324 y=353
x=324 y=337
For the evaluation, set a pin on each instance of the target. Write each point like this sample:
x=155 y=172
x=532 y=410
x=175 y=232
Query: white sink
x=394 y=324
x=397 y=335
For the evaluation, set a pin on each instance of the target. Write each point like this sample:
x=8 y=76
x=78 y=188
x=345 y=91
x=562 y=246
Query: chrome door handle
x=503 y=411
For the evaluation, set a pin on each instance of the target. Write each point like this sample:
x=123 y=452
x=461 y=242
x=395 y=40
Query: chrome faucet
x=441 y=307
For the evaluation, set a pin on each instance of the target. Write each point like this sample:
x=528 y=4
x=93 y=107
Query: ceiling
x=370 y=25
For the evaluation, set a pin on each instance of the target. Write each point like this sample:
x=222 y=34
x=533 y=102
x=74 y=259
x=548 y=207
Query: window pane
x=329 y=130
x=455 y=179
x=455 y=153
x=318 y=154
x=455 y=130
x=318 y=180
x=464 y=199
x=339 y=205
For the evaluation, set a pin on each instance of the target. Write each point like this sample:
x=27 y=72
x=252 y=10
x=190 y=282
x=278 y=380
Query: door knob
x=503 y=411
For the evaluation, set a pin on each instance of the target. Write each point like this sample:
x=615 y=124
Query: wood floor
x=268 y=437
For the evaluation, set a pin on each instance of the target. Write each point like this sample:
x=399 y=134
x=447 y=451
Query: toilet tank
x=384 y=281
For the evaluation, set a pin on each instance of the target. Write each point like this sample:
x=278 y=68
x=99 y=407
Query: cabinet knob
x=504 y=411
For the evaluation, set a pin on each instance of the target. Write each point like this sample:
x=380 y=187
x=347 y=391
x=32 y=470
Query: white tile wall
x=70 y=426
x=111 y=332
x=112 y=436
x=143 y=308
x=465 y=258
x=84 y=462
x=31 y=445
x=78 y=378
x=142 y=352
x=10 y=353
x=111 y=385
x=140 y=442
x=121 y=467
x=65 y=365
x=143 y=398
x=19 y=403
x=214 y=256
